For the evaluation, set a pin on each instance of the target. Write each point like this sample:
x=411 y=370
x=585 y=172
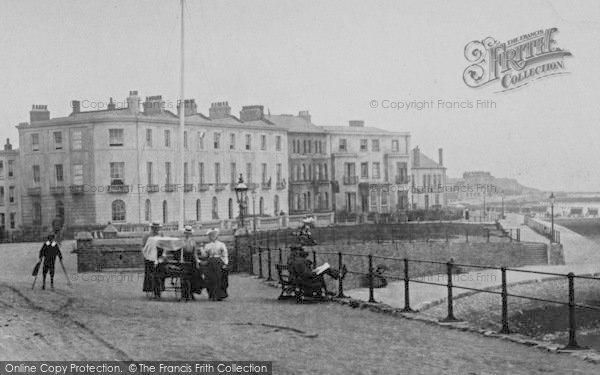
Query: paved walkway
x=582 y=257
x=104 y=316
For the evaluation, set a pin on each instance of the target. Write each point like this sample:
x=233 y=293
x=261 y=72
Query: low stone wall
x=123 y=253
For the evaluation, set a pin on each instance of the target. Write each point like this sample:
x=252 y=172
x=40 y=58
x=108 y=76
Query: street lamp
x=254 y=210
x=241 y=191
x=552 y=199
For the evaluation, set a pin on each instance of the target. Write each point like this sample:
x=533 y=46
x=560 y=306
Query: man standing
x=49 y=252
x=217 y=249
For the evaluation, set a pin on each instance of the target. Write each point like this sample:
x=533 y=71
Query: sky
x=333 y=58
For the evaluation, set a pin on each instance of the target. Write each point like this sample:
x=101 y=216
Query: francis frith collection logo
x=514 y=63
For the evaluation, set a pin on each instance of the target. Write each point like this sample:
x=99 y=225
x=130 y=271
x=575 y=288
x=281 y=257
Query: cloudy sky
x=332 y=58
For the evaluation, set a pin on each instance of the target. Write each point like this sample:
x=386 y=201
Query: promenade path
x=582 y=257
x=105 y=316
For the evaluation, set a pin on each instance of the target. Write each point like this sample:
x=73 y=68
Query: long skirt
x=154 y=280
x=214 y=279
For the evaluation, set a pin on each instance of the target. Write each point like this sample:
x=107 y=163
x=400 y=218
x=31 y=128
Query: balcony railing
x=76 y=189
x=280 y=185
x=203 y=187
x=153 y=188
x=265 y=185
x=34 y=191
x=401 y=180
x=169 y=188
x=220 y=186
x=118 y=189
x=350 y=180
x=57 y=190
x=188 y=187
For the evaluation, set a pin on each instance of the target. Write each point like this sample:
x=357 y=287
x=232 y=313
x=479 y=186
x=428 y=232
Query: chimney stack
x=252 y=113
x=133 y=102
x=356 y=123
x=154 y=105
x=305 y=115
x=416 y=157
x=441 y=156
x=7 y=146
x=219 y=110
x=111 y=105
x=39 y=112
x=190 y=107
x=76 y=105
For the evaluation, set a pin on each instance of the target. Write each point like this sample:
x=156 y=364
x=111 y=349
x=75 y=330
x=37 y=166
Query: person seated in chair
x=311 y=280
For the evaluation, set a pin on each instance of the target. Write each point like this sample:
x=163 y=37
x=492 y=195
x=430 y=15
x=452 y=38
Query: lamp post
x=502 y=196
x=254 y=210
x=552 y=198
x=241 y=191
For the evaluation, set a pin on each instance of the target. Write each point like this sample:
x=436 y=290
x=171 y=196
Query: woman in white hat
x=218 y=261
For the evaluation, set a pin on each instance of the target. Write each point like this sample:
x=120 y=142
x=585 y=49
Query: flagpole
x=181 y=128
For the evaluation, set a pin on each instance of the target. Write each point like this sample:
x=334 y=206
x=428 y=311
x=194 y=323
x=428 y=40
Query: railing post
x=518 y=234
x=371 y=296
x=450 y=317
x=467 y=234
x=280 y=256
x=333 y=233
x=572 y=325
x=447 y=239
x=488 y=234
x=340 y=281
x=260 y=270
x=269 y=276
x=510 y=235
x=406 y=290
x=314 y=254
x=251 y=248
x=504 y=328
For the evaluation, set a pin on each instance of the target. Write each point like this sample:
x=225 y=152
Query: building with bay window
x=122 y=164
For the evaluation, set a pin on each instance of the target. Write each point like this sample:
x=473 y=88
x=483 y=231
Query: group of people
x=202 y=267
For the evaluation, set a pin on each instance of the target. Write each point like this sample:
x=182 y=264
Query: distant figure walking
x=49 y=252
x=466 y=214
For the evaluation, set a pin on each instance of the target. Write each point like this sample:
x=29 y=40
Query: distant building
x=370 y=167
x=10 y=202
x=310 y=182
x=428 y=181
x=122 y=164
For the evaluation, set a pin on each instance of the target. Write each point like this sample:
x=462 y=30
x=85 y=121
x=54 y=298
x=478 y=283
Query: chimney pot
x=219 y=110
x=7 y=146
x=133 y=102
x=76 y=105
x=252 y=112
x=39 y=112
x=441 y=156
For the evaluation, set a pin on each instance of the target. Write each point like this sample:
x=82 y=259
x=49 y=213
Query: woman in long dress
x=216 y=269
x=192 y=276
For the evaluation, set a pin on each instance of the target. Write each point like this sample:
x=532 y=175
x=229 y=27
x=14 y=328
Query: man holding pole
x=49 y=252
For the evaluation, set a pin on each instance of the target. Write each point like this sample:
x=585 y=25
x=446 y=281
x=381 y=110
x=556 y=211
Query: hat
x=155 y=224
x=188 y=229
x=212 y=231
